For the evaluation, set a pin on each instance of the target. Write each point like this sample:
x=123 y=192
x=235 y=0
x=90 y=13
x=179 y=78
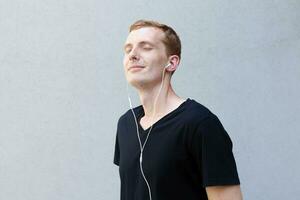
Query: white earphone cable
x=138 y=134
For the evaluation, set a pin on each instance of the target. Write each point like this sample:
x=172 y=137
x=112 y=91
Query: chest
x=146 y=123
x=164 y=152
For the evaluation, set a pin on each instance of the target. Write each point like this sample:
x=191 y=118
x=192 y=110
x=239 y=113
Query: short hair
x=171 y=40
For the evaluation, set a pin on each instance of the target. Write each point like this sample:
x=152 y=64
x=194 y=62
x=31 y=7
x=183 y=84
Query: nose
x=133 y=55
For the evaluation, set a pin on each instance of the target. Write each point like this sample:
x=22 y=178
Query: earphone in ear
x=168 y=65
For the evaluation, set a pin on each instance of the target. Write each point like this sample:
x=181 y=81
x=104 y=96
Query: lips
x=135 y=67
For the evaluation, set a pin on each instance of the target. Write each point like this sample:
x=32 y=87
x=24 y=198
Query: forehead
x=145 y=34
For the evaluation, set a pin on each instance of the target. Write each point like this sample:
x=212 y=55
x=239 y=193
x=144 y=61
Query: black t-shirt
x=187 y=150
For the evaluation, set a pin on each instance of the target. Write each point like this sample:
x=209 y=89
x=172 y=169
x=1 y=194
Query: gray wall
x=62 y=90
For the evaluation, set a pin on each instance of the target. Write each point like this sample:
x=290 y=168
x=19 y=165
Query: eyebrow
x=142 y=43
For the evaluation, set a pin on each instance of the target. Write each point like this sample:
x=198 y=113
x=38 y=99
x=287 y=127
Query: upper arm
x=231 y=192
x=211 y=148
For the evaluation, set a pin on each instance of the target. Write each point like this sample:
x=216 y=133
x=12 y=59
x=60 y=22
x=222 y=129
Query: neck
x=165 y=102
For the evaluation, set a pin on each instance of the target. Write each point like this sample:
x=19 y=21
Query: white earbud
x=168 y=65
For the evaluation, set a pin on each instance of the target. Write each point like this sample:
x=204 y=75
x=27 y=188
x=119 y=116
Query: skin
x=144 y=48
x=145 y=51
x=232 y=192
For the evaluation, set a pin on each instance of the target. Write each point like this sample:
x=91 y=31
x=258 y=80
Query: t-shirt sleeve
x=211 y=148
x=116 y=160
x=117 y=152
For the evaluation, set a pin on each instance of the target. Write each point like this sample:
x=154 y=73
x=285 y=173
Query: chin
x=137 y=82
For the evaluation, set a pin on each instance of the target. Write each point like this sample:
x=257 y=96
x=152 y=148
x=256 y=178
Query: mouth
x=135 y=67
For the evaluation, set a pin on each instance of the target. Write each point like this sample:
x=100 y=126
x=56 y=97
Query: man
x=169 y=148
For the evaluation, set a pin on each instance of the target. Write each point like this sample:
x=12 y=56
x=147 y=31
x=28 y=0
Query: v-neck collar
x=141 y=114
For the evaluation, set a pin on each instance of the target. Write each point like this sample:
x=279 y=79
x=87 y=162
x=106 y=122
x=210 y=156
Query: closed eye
x=127 y=50
x=147 y=48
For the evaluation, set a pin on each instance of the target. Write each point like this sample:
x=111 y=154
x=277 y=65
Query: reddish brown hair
x=171 y=40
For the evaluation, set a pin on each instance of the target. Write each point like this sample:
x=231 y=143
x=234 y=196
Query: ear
x=174 y=61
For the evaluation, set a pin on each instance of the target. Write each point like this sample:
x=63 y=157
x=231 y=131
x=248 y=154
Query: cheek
x=157 y=64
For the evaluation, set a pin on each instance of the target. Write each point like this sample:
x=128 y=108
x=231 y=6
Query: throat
x=146 y=122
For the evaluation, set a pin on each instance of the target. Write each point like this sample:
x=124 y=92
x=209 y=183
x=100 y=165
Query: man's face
x=144 y=56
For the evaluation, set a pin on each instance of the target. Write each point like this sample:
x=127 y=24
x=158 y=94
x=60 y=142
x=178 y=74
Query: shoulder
x=123 y=119
x=205 y=123
x=201 y=120
x=197 y=113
